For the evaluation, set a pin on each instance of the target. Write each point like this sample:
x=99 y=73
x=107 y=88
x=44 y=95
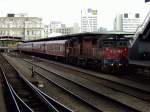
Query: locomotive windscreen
x=115 y=43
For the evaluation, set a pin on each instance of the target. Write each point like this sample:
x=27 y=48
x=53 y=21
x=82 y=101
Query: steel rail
x=136 y=91
x=17 y=102
x=34 y=89
x=53 y=104
x=140 y=87
x=58 y=105
x=111 y=98
x=69 y=92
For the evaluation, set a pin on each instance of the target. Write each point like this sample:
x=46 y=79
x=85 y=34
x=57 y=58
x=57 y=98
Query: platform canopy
x=83 y=35
x=9 y=42
x=12 y=38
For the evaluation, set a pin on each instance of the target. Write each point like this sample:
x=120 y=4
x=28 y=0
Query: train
x=103 y=51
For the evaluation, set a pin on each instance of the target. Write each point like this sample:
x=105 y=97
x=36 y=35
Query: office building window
x=137 y=15
x=28 y=33
x=125 y=15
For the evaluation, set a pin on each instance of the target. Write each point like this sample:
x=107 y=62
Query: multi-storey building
x=63 y=31
x=46 y=29
x=76 y=28
x=89 y=20
x=60 y=28
x=102 y=29
x=20 y=26
x=127 y=22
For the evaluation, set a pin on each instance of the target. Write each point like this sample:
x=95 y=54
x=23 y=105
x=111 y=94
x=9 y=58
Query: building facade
x=28 y=28
x=89 y=20
x=127 y=22
x=58 y=28
x=102 y=29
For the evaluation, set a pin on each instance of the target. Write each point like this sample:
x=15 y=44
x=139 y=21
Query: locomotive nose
x=115 y=53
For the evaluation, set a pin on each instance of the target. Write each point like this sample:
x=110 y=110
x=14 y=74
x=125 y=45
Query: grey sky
x=68 y=11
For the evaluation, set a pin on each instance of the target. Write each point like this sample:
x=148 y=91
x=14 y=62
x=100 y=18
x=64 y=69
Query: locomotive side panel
x=87 y=48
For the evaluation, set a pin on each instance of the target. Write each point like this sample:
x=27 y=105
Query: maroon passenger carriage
x=102 y=51
x=54 y=49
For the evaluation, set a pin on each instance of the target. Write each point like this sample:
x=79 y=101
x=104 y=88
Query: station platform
x=143 y=63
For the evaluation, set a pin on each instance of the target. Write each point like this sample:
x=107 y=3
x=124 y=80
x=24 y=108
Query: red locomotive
x=105 y=51
x=115 y=53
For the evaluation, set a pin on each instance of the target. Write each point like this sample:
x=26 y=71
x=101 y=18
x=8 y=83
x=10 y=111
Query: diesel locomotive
x=106 y=51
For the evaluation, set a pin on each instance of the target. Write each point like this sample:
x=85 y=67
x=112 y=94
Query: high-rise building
x=127 y=22
x=89 y=20
x=21 y=26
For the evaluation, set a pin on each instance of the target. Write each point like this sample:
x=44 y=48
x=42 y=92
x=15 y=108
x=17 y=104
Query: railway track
x=122 y=85
x=24 y=96
x=107 y=95
x=136 y=74
x=134 y=93
x=135 y=89
x=71 y=101
x=134 y=102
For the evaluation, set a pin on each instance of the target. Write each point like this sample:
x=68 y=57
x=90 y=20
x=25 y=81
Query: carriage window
x=61 y=48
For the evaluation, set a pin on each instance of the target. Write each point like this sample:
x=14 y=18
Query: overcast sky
x=69 y=11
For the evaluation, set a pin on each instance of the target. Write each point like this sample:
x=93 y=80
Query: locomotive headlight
x=119 y=51
x=112 y=64
x=125 y=49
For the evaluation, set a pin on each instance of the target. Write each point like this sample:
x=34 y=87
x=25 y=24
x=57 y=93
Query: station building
x=28 y=28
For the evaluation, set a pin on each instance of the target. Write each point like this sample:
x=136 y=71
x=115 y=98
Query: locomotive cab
x=115 y=53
